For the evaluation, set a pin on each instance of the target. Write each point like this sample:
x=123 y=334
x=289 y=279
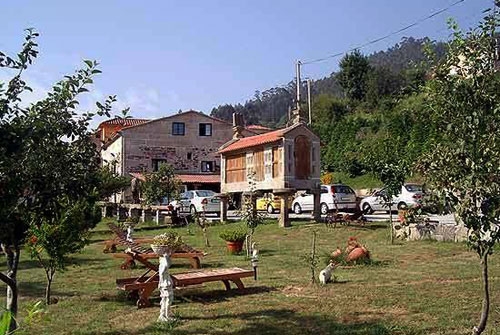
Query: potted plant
x=234 y=239
x=166 y=243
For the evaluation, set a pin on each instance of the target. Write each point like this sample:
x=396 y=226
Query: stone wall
x=442 y=228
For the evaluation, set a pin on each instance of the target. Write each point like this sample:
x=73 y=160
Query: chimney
x=238 y=125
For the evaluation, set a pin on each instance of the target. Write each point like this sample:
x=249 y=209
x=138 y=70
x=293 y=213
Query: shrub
x=233 y=235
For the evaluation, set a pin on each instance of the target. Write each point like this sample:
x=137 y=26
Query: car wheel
x=367 y=209
x=297 y=209
x=323 y=208
x=192 y=210
x=270 y=209
x=402 y=205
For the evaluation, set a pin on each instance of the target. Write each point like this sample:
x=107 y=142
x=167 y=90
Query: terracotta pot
x=336 y=253
x=234 y=247
x=355 y=254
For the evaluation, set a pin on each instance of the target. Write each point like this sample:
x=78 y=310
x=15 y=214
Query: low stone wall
x=444 y=229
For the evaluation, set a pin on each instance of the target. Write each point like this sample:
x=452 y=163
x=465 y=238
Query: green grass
x=409 y=288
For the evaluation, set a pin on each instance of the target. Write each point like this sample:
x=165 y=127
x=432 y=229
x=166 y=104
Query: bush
x=233 y=235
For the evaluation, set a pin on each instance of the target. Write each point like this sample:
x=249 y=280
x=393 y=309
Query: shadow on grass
x=27 y=264
x=189 y=295
x=37 y=290
x=220 y=295
x=283 y=321
x=268 y=321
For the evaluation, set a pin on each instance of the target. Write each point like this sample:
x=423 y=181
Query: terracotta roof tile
x=252 y=141
x=123 y=122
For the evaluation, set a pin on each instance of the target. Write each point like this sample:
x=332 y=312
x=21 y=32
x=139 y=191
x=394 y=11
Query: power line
x=386 y=36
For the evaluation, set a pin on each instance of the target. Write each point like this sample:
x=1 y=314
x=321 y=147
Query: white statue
x=130 y=230
x=325 y=275
x=166 y=287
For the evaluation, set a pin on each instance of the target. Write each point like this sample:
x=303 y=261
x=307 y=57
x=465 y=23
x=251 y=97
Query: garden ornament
x=325 y=275
x=255 y=259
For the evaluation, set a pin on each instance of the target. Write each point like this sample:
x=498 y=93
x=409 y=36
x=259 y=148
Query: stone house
x=187 y=140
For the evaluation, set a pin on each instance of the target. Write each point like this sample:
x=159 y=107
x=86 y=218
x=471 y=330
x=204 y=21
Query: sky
x=160 y=56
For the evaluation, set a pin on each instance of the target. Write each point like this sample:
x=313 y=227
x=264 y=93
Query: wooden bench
x=146 y=252
x=129 y=262
x=142 y=287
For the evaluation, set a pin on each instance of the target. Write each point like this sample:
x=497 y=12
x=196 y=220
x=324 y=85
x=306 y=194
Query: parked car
x=269 y=203
x=411 y=195
x=338 y=194
x=193 y=202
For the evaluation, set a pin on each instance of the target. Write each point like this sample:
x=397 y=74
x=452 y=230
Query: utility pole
x=298 y=84
x=309 y=100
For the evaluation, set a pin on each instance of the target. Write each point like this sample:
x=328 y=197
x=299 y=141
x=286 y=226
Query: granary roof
x=257 y=140
x=252 y=141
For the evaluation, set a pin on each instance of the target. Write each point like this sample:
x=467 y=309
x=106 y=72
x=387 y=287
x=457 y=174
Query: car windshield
x=343 y=189
x=413 y=188
x=205 y=193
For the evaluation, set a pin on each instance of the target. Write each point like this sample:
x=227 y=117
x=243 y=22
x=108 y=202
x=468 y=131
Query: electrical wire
x=386 y=36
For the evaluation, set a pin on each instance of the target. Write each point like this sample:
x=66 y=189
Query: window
x=157 y=162
x=205 y=129
x=178 y=128
x=189 y=155
x=207 y=166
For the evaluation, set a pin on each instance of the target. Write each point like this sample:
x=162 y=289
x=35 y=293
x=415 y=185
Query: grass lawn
x=412 y=288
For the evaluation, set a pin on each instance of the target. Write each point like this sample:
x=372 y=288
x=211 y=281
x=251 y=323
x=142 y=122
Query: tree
x=464 y=165
x=389 y=164
x=353 y=75
x=49 y=164
x=52 y=241
x=160 y=184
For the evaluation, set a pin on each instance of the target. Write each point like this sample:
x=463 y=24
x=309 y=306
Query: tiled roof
x=123 y=122
x=252 y=141
x=188 y=178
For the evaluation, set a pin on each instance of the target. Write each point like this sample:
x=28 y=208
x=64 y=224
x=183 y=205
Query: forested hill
x=390 y=71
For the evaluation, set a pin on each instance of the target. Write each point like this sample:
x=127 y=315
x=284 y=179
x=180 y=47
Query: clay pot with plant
x=234 y=240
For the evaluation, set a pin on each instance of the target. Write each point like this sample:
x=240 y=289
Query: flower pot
x=162 y=250
x=357 y=253
x=234 y=247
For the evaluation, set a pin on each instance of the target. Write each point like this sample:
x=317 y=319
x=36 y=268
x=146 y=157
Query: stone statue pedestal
x=165 y=284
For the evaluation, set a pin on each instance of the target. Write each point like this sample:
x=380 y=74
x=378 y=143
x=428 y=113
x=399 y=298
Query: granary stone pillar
x=224 y=198
x=284 y=194
x=316 y=204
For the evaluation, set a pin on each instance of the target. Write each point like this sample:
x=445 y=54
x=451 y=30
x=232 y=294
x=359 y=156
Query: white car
x=411 y=195
x=338 y=194
x=196 y=201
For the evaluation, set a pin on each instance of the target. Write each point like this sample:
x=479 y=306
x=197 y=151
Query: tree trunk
x=207 y=243
x=390 y=225
x=486 y=298
x=12 y=254
x=313 y=258
x=50 y=278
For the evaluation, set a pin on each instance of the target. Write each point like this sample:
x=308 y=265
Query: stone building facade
x=188 y=141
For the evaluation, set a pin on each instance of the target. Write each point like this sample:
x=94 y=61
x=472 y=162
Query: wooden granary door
x=302 y=157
